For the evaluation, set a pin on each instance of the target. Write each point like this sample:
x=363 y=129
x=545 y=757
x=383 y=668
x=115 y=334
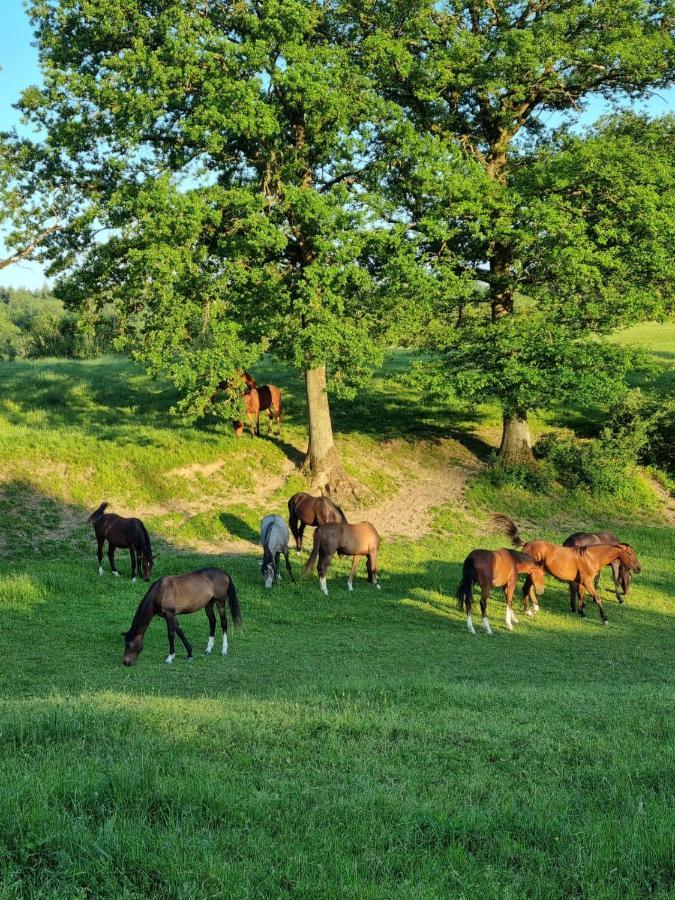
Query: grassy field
x=356 y=745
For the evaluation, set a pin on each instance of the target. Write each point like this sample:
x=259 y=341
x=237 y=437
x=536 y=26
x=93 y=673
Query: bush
x=537 y=476
x=605 y=465
x=654 y=419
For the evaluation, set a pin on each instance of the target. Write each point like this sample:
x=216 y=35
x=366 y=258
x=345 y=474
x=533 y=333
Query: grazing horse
x=572 y=564
x=304 y=509
x=346 y=540
x=124 y=533
x=495 y=568
x=176 y=594
x=257 y=399
x=621 y=573
x=274 y=537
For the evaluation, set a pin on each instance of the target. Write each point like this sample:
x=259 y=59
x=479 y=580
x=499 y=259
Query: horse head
x=132 y=647
x=268 y=569
x=537 y=574
x=147 y=560
x=628 y=557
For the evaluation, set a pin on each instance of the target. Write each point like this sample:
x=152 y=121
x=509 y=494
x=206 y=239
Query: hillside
x=352 y=745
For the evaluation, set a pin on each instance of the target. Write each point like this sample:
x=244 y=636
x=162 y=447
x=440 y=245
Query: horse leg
x=509 y=588
x=186 y=643
x=617 y=584
x=293 y=525
x=223 y=625
x=111 y=559
x=594 y=594
x=132 y=554
x=527 y=590
x=288 y=565
x=581 y=593
x=371 y=565
x=574 y=595
x=301 y=531
x=277 y=573
x=324 y=562
x=350 y=581
x=170 y=627
x=257 y=423
x=211 y=616
x=99 y=554
x=484 y=594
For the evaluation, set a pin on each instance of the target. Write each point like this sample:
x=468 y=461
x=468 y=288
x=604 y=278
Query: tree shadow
x=239 y=528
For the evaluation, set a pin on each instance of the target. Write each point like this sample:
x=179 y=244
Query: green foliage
x=33 y=324
x=537 y=476
x=649 y=420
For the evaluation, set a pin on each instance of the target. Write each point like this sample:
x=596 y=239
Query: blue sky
x=18 y=60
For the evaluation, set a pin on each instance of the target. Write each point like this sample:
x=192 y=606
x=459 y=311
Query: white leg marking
x=528 y=612
x=170 y=658
x=223 y=652
x=298 y=552
x=209 y=646
x=323 y=585
x=116 y=573
x=378 y=585
x=514 y=620
x=536 y=607
x=350 y=586
x=133 y=579
x=469 y=625
x=486 y=625
x=508 y=619
x=100 y=570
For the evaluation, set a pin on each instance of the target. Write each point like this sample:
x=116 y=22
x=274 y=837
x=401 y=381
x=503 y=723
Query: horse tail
x=507 y=526
x=293 y=517
x=315 y=552
x=465 y=587
x=233 y=599
x=97 y=513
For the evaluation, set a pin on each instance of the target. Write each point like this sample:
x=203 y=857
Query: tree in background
x=216 y=150
x=531 y=244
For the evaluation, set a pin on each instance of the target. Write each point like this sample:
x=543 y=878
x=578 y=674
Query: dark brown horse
x=346 y=540
x=621 y=573
x=572 y=564
x=495 y=568
x=128 y=534
x=304 y=509
x=178 y=594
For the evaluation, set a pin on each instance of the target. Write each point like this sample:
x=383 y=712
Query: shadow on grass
x=237 y=527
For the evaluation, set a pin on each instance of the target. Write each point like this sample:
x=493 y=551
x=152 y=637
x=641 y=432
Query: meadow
x=355 y=745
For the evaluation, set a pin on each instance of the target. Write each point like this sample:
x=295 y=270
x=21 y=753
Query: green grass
x=356 y=745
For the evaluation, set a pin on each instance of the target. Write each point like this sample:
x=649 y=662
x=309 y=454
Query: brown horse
x=621 y=573
x=304 y=509
x=257 y=399
x=346 y=540
x=176 y=594
x=125 y=533
x=571 y=564
x=495 y=568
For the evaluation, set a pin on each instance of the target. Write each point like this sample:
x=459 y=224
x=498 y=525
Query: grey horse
x=274 y=537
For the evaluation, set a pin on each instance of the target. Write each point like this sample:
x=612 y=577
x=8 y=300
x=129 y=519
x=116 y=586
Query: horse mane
x=344 y=517
x=267 y=556
x=147 y=549
x=583 y=551
x=519 y=556
x=97 y=513
x=143 y=607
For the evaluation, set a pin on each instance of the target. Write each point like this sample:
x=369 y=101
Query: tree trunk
x=322 y=463
x=516 y=443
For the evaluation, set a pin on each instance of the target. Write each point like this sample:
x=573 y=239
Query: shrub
x=604 y=465
x=537 y=476
x=654 y=419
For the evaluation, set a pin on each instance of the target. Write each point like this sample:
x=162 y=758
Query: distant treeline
x=34 y=324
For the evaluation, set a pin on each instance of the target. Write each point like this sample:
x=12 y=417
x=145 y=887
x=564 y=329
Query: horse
x=174 y=594
x=571 y=564
x=621 y=573
x=495 y=568
x=304 y=509
x=257 y=399
x=274 y=537
x=124 y=533
x=356 y=540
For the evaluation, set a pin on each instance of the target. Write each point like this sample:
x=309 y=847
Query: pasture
x=356 y=745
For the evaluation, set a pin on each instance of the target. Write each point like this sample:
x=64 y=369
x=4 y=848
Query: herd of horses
x=578 y=562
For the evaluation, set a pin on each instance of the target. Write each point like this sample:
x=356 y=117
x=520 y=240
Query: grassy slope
x=356 y=745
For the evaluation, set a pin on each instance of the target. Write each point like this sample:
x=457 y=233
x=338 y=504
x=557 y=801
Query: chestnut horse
x=125 y=533
x=346 y=540
x=621 y=573
x=257 y=399
x=304 y=509
x=495 y=568
x=572 y=564
x=176 y=594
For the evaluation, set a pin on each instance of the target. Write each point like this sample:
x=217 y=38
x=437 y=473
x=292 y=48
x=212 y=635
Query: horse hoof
x=379 y=587
x=116 y=574
x=529 y=613
x=170 y=658
x=223 y=652
x=208 y=652
x=190 y=658
x=622 y=599
x=133 y=580
x=349 y=587
x=605 y=621
x=100 y=570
